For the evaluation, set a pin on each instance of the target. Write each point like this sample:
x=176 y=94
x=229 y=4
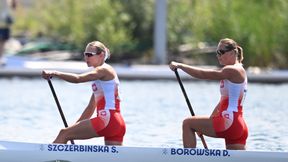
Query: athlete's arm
x=97 y=73
x=215 y=111
x=89 y=110
x=227 y=72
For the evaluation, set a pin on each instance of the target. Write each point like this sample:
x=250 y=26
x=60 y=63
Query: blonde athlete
x=104 y=99
x=226 y=120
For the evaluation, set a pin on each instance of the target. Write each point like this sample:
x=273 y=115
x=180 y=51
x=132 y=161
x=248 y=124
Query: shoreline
x=21 y=67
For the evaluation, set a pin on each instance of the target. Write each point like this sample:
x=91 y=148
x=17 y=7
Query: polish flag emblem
x=222 y=84
x=94 y=87
x=103 y=113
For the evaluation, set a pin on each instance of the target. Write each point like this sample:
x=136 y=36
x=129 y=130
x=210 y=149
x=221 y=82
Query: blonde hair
x=231 y=44
x=100 y=47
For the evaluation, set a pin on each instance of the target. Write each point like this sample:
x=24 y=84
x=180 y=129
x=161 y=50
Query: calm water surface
x=153 y=111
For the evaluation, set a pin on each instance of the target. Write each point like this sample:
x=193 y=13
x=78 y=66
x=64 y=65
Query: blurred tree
x=140 y=24
x=259 y=26
x=79 y=22
x=126 y=26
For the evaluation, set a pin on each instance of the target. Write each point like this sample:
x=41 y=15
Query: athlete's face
x=93 y=57
x=224 y=55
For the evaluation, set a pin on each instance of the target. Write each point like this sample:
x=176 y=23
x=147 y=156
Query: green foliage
x=259 y=26
x=79 y=22
x=141 y=24
x=126 y=26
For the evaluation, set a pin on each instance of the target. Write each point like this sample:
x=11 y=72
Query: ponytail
x=239 y=54
x=107 y=54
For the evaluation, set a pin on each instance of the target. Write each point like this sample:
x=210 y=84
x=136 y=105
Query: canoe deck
x=33 y=152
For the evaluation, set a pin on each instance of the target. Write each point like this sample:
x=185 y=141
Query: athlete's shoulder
x=234 y=73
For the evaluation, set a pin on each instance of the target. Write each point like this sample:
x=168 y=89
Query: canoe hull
x=32 y=152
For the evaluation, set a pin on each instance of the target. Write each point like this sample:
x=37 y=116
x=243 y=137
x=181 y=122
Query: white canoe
x=35 y=152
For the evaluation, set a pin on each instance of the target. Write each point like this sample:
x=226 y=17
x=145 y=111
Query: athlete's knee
x=186 y=124
x=62 y=137
x=64 y=134
x=63 y=131
x=189 y=123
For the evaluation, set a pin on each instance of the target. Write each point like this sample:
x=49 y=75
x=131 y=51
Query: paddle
x=58 y=105
x=189 y=105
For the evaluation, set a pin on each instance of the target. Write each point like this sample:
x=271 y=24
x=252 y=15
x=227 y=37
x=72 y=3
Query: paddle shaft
x=58 y=105
x=189 y=105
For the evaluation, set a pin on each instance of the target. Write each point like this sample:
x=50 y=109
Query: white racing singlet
x=232 y=98
x=234 y=94
x=106 y=94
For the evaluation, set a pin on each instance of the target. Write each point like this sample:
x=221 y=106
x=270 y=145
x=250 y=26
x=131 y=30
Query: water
x=153 y=111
